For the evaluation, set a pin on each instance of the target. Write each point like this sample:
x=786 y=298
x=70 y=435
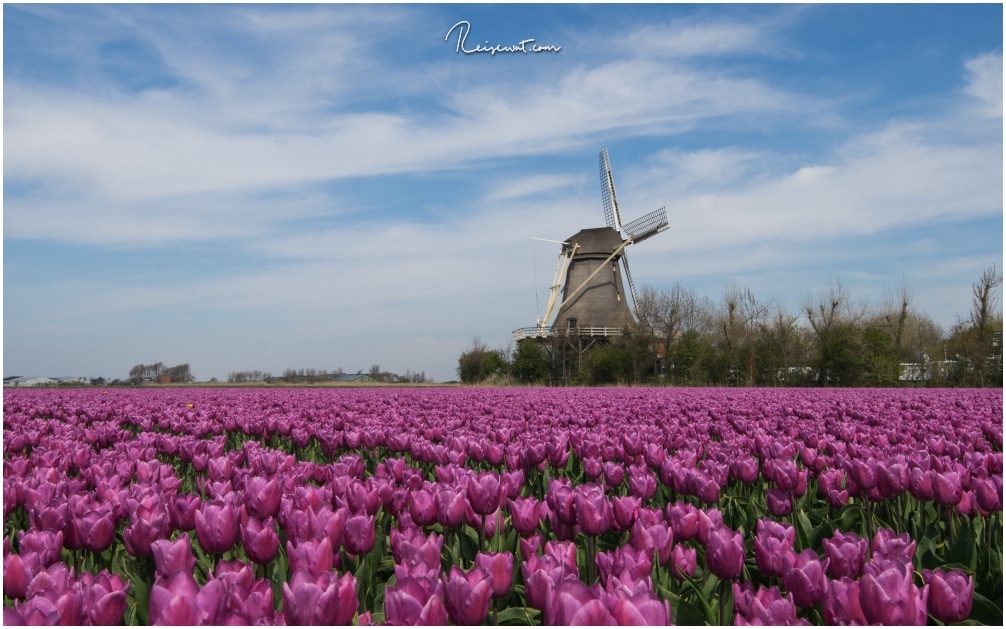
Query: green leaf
x=685 y=613
x=804 y=530
x=963 y=550
x=518 y=616
x=985 y=611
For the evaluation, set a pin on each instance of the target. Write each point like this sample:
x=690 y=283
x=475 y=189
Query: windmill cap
x=599 y=241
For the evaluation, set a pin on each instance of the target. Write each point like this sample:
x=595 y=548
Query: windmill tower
x=589 y=273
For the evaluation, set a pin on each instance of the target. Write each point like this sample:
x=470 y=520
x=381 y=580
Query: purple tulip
x=512 y=482
x=16 y=576
x=173 y=601
x=614 y=474
x=744 y=469
x=709 y=520
x=840 y=605
x=467 y=595
x=422 y=507
x=947 y=488
x=846 y=553
x=94 y=529
x=323 y=599
x=45 y=544
x=525 y=514
x=363 y=497
x=259 y=538
x=541 y=574
x=412 y=546
x=38 y=611
x=499 y=566
x=170 y=557
x=415 y=600
x=683 y=561
x=887 y=544
x=530 y=546
x=262 y=497
x=642 y=482
x=656 y=537
x=104 y=597
x=593 y=510
x=767 y=607
x=312 y=557
x=779 y=503
x=484 y=492
x=360 y=533
x=772 y=543
x=989 y=493
x=625 y=564
x=892 y=478
x=450 y=506
x=640 y=606
x=950 y=594
x=888 y=596
x=863 y=472
x=183 y=509
x=217 y=527
x=684 y=520
x=149 y=522
x=573 y=603
x=725 y=553
x=624 y=511
x=803 y=577
x=920 y=484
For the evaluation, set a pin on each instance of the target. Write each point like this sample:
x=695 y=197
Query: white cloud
x=984 y=82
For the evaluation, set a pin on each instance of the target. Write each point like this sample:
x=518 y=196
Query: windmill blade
x=628 y=276
x=608 y=198
x=648 y=225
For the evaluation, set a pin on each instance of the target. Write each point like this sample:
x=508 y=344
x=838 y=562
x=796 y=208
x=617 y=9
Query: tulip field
x=502 y=506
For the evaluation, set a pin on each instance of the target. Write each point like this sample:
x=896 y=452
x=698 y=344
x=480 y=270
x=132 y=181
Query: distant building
x=72 y=380
x=354 y=377
x=29 y=381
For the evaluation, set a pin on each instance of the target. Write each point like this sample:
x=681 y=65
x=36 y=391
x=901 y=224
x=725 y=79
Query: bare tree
x=740 y=321
x=896 y=309
x=834 y=321
x=984 y=308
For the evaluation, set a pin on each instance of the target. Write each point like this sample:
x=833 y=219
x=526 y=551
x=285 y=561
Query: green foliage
x=531 y=364
x=880 y=359
x=607 y=364
x=480 y=363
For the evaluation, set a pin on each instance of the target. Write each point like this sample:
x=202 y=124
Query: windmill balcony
x=577 y=331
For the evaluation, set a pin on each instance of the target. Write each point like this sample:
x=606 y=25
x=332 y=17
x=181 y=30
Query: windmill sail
x=646 y=226
x=611 y=216
x=628 y=277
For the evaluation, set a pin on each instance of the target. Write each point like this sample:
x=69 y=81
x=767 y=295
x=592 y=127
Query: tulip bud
x=467 y=595
x=725 y=553
x=950 y=594
x=499 y=566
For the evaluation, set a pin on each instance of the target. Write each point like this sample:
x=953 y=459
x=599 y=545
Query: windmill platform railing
x=577 y=331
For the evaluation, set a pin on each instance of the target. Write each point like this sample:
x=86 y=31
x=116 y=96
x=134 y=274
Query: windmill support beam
x=600 y=267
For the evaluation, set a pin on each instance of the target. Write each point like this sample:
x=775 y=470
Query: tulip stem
x=724 y=591
x=482 y=535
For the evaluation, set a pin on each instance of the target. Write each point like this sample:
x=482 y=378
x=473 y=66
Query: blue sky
x=267 y=187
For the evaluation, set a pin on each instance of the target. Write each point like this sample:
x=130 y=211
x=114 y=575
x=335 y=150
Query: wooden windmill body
x=588 y=296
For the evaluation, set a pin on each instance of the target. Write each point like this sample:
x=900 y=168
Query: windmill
x=588 y=274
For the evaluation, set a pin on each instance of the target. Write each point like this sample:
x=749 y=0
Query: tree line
x=311 y=375
x=681 y=338
x=156 y=372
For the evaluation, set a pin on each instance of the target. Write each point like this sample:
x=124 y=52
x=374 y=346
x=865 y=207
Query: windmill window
x=571 y=323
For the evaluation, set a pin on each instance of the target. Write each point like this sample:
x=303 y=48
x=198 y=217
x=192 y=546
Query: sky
x=271 y=187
